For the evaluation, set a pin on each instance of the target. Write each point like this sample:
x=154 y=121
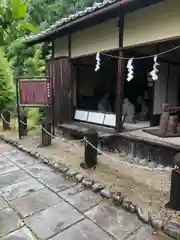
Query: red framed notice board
x=34 y=92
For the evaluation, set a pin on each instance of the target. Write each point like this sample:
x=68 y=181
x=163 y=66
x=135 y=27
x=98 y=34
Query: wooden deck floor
x=139 y=135
x=102 y=131
x=79 y=128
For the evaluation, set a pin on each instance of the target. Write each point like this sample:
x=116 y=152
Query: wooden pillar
x=71 y=78
x=120 y=78
x=53 y=117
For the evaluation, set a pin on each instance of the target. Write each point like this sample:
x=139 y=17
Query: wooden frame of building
x=111 y=25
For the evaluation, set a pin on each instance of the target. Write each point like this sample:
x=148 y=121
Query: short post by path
x=90 y=153
x=6 y=117
x=46 y=138
x=174 y=202
x=23 y=124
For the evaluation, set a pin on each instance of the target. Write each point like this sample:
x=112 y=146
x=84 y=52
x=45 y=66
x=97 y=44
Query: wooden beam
x=120 y=79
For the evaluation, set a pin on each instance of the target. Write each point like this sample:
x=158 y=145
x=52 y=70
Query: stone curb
x=169 y=228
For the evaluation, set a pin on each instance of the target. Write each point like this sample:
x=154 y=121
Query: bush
x=34 y=66
x=33 y=118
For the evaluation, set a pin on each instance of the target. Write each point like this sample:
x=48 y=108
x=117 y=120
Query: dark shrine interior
x=93 y=86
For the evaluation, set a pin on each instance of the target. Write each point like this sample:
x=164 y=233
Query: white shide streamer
x=130 y=69
x=98 y=62
x=154 y=72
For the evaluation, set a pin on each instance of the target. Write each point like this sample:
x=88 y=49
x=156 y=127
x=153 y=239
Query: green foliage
x=18 y=9
x=17 y=52
x=17 y=19
x=45 y=12
x=42 y=13
x=14 y=19
x=34 y=66
x=7 y=90
x=33 y=118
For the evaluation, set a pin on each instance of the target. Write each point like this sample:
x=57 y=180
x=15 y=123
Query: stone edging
x=169 y=228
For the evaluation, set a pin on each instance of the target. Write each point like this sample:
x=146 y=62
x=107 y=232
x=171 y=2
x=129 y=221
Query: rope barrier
x=54 y=137
x=99 y=151
x=23 y=122
x=10 y=124
x=121 y=162
x=64 y=141
x=4 y=119
x=86 y=142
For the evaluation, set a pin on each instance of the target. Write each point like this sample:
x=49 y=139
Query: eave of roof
x=70 y=19
x=89 y=12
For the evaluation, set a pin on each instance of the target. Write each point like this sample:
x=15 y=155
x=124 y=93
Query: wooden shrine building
x=119 y=30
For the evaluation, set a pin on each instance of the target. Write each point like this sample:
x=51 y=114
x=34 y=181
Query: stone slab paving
x=20 y=189
x=85 y=229
x=116 y=221
x=12 y=177
x=84 y=200
x=9 y=221
x=20 y=234
x=69 y=192
x=53 y=220
x=145 y=232
x=34 y=202
x=6 y=166
x=25 y=161
x=37 y=203
x=3 y=203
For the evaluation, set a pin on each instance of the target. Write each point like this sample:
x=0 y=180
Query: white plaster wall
x=103 y=36
x=160 y=88
x=61 y=47
x=157 y=22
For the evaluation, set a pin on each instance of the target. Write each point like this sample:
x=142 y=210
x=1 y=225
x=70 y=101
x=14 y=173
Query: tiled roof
x=70 y=18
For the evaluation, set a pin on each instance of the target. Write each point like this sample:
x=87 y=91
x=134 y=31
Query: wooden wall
x=60 y=71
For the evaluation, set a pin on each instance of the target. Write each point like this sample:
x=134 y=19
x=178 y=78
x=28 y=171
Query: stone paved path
x=38 y=203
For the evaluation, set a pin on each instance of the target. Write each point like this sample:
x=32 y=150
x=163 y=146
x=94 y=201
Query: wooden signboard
x=35 y=92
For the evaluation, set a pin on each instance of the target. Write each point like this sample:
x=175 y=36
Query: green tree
x=14 y=20
x=17 y=53
x=7 y=91
x=41 y=13
x=34 y=66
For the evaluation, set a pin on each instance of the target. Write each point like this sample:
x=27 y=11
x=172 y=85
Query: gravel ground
x=146 y=187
